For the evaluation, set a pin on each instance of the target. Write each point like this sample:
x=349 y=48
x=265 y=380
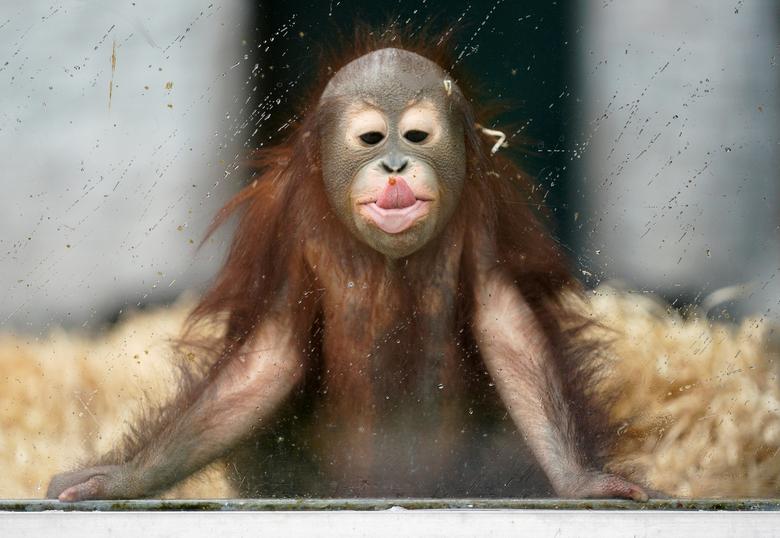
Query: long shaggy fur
x=284 y=211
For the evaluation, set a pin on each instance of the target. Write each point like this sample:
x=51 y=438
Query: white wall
x=103 y=200
x=680 y=140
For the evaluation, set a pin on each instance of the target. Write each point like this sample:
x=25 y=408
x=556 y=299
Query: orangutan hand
x=600 y=485
x=102 y=482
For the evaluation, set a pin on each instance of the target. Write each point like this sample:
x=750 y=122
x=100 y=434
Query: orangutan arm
x=221 y=412
x=517 y=354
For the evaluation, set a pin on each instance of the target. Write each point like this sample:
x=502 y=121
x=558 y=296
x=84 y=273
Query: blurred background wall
x=117 y=125
x=652 y=127
x=680 y=135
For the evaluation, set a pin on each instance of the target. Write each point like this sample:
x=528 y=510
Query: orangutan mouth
x=397 y=209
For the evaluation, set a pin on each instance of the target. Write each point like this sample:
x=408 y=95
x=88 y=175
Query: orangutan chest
x=389 y=332
x=386 y=348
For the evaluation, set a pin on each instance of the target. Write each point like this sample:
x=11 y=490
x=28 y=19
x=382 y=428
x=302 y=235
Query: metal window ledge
x=391 y=517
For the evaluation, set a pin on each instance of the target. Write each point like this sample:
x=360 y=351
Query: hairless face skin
x=392 y=148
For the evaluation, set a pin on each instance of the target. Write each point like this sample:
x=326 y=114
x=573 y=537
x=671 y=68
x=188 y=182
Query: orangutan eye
x=415 y=136
x=372 y=138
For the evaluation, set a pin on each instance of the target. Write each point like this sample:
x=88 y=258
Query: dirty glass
x=649 y=132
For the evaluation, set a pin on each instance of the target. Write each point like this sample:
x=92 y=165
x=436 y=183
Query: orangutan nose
x=394 y=164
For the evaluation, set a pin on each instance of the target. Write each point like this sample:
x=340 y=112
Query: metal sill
x=377 y=518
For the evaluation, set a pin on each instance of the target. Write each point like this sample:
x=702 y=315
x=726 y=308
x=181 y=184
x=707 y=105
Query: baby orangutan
x=393 y=320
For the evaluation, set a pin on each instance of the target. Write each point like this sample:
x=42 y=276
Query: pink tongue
x=396 y=195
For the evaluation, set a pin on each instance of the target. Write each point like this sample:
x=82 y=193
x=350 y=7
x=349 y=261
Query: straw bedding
x=698 y=404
